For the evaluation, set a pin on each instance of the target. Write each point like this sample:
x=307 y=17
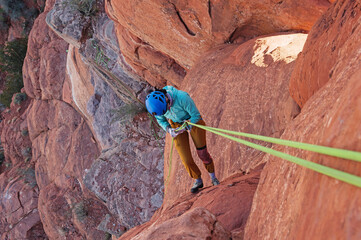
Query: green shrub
x=2 y=158
x=4 y=23
x=85 y=7
x=28 y=175
x=16 y=9
x=26 y=152
x=11 y=62
x=25 y=132
x=128 y=112
x=80 y=210
x=20 y=97
x=107 y=236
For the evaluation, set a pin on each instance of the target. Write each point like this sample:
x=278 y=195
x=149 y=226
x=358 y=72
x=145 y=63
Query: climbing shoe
x=197 y=185
x=215 y=181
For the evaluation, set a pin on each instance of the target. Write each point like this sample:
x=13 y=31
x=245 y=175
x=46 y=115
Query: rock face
x=38 y=75
x=325 y=42
x=255 y=99
x=195 y=224
x=14 y=132
x=19 y=217
x=215 y=212
x=101 y=86
x=66 y=19
x=129 y=177
x=299 y=202
x=44 y=195
x=184 y=30
x=79 y=165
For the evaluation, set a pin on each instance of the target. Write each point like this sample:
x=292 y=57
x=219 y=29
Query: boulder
x=71 y=19
x=195 y=224
x=296 y=203
x=240 y=87
x=228 y=204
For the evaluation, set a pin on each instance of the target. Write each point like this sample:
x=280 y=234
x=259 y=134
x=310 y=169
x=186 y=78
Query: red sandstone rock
x=79 y=81
x=67 y=214
x=230 y=202
x=184 y=30
x=150 y=64
x=296 y=203
x=325 y=42
x=240 y=88
x=14 y=133
x=44 y=63
x=19 y=217
x=195 y=224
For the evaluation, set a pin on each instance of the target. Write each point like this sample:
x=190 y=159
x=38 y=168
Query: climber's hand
x=175 y=131
x=172 y=132
x=188 y=126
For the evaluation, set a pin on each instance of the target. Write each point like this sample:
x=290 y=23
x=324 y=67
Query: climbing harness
x=341 y=153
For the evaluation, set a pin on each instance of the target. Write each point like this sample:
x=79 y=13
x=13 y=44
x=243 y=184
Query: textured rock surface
x=129 y=177
x=19 y=191
x=300 y=203
x=68 y=214
x=154 y=66
x=102 y=84
x=195 y=224
x=14 y=133
x=240 y=88
x=39 y=75
x=186 y=29
x=66 y=20
x=62 y=147
x=325 y=42
x=19 y=218
x=19 y=202
x=230 y=202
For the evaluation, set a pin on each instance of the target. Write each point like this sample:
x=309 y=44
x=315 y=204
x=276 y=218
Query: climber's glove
x=172 y=132
x=175 y=131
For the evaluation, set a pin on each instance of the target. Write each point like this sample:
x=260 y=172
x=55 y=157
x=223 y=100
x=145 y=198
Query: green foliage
x=85 y=7
x=16 y=9
x=4 y=23
x=11 y=62
x=25 y=132
x=12 y=55
x=20 y=97
x=100 y=58
x=128 y=112
x=26 y=152
x=80 y=210
x=107 y=236
x=2 y=157
x=28 y=175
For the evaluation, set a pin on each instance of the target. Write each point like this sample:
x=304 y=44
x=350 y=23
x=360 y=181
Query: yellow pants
x=199 y=139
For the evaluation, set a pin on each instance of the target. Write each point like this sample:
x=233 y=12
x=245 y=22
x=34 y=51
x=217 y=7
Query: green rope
x=345 y=177
x=335 y=152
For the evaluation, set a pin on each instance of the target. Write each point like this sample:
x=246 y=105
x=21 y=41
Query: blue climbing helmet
x=156 y=103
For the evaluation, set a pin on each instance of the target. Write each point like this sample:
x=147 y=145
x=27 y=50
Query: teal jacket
x=183 y=108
